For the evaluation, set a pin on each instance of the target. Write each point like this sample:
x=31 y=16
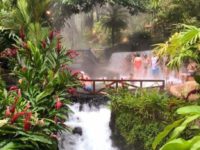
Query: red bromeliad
x=16 y=116
x=71 y=91
x=51 y=35
x=27 y=123
x=58 y=103
x=58 y=46
x=72 y=54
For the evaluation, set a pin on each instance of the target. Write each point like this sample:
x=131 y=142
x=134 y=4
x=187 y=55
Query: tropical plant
x=174 y=133
x=181 y=46
x=33 y=112
x=178 y=12
x=114 y=20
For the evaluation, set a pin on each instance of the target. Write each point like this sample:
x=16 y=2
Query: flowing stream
x=93 y=124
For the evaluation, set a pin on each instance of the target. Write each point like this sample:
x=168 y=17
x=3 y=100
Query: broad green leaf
x=44 y=94
x=177 y=144
x=34 y=137
x=165 y=132
x=189 y=110
x=177 y=131
x=196 y=146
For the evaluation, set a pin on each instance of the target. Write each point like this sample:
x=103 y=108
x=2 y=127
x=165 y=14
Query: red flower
x=76 y=74
x=51 y=35
x=13 y=52
x=44 y=44
x=72 y=54
x=12 y=108
x=13 y=88
x=16 y=116
x=71 y=91
x=7 y=113
x=58 y=46
x=21 y=33
x=27 y=123
x=58 y=103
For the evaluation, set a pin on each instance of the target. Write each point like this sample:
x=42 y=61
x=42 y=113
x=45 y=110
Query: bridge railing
x=97 y=86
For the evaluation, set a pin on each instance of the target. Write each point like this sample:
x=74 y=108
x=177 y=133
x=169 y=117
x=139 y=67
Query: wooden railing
x=97 y=86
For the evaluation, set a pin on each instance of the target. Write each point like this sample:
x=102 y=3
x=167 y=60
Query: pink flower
x=13 y=88
x=58 y=103
x=72 y=54
x=71 y=91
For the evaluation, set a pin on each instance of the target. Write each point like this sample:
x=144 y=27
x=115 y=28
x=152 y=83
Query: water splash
x=95 y=128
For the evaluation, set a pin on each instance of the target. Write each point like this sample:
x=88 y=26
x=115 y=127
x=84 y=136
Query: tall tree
x=114 y=20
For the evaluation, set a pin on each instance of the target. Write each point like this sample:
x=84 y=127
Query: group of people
x=148 y=65
x=140 y=66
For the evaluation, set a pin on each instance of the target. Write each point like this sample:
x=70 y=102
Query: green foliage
x=181 y=46
x=142 y=115
x=189 y=121
x=177 y=12
x=34 y=112
x=134 y=6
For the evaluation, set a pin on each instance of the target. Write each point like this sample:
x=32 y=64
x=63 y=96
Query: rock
x=182 y=90
x=77 y=130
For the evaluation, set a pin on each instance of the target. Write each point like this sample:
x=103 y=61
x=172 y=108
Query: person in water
x=146 y=63
x=137 y=64
x=155 y=66
x=87 y=85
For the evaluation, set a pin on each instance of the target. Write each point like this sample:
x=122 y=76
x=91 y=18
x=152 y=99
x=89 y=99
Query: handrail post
x=140 y=83
x=116 y=84
x=94 y=87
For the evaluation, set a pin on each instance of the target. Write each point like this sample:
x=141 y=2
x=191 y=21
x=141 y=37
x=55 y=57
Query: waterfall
x=93 y=124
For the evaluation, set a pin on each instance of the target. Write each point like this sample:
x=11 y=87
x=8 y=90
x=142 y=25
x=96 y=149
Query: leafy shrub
x=34 y=111
x=140 y=116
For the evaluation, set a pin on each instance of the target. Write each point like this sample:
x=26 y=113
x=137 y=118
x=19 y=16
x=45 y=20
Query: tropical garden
x=36 y=81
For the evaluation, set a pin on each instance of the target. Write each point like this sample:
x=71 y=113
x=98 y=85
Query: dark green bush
x=141 y=115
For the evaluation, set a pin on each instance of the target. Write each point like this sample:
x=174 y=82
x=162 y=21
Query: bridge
x=98 y=86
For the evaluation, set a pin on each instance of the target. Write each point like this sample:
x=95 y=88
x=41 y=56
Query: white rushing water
x=95 y=129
